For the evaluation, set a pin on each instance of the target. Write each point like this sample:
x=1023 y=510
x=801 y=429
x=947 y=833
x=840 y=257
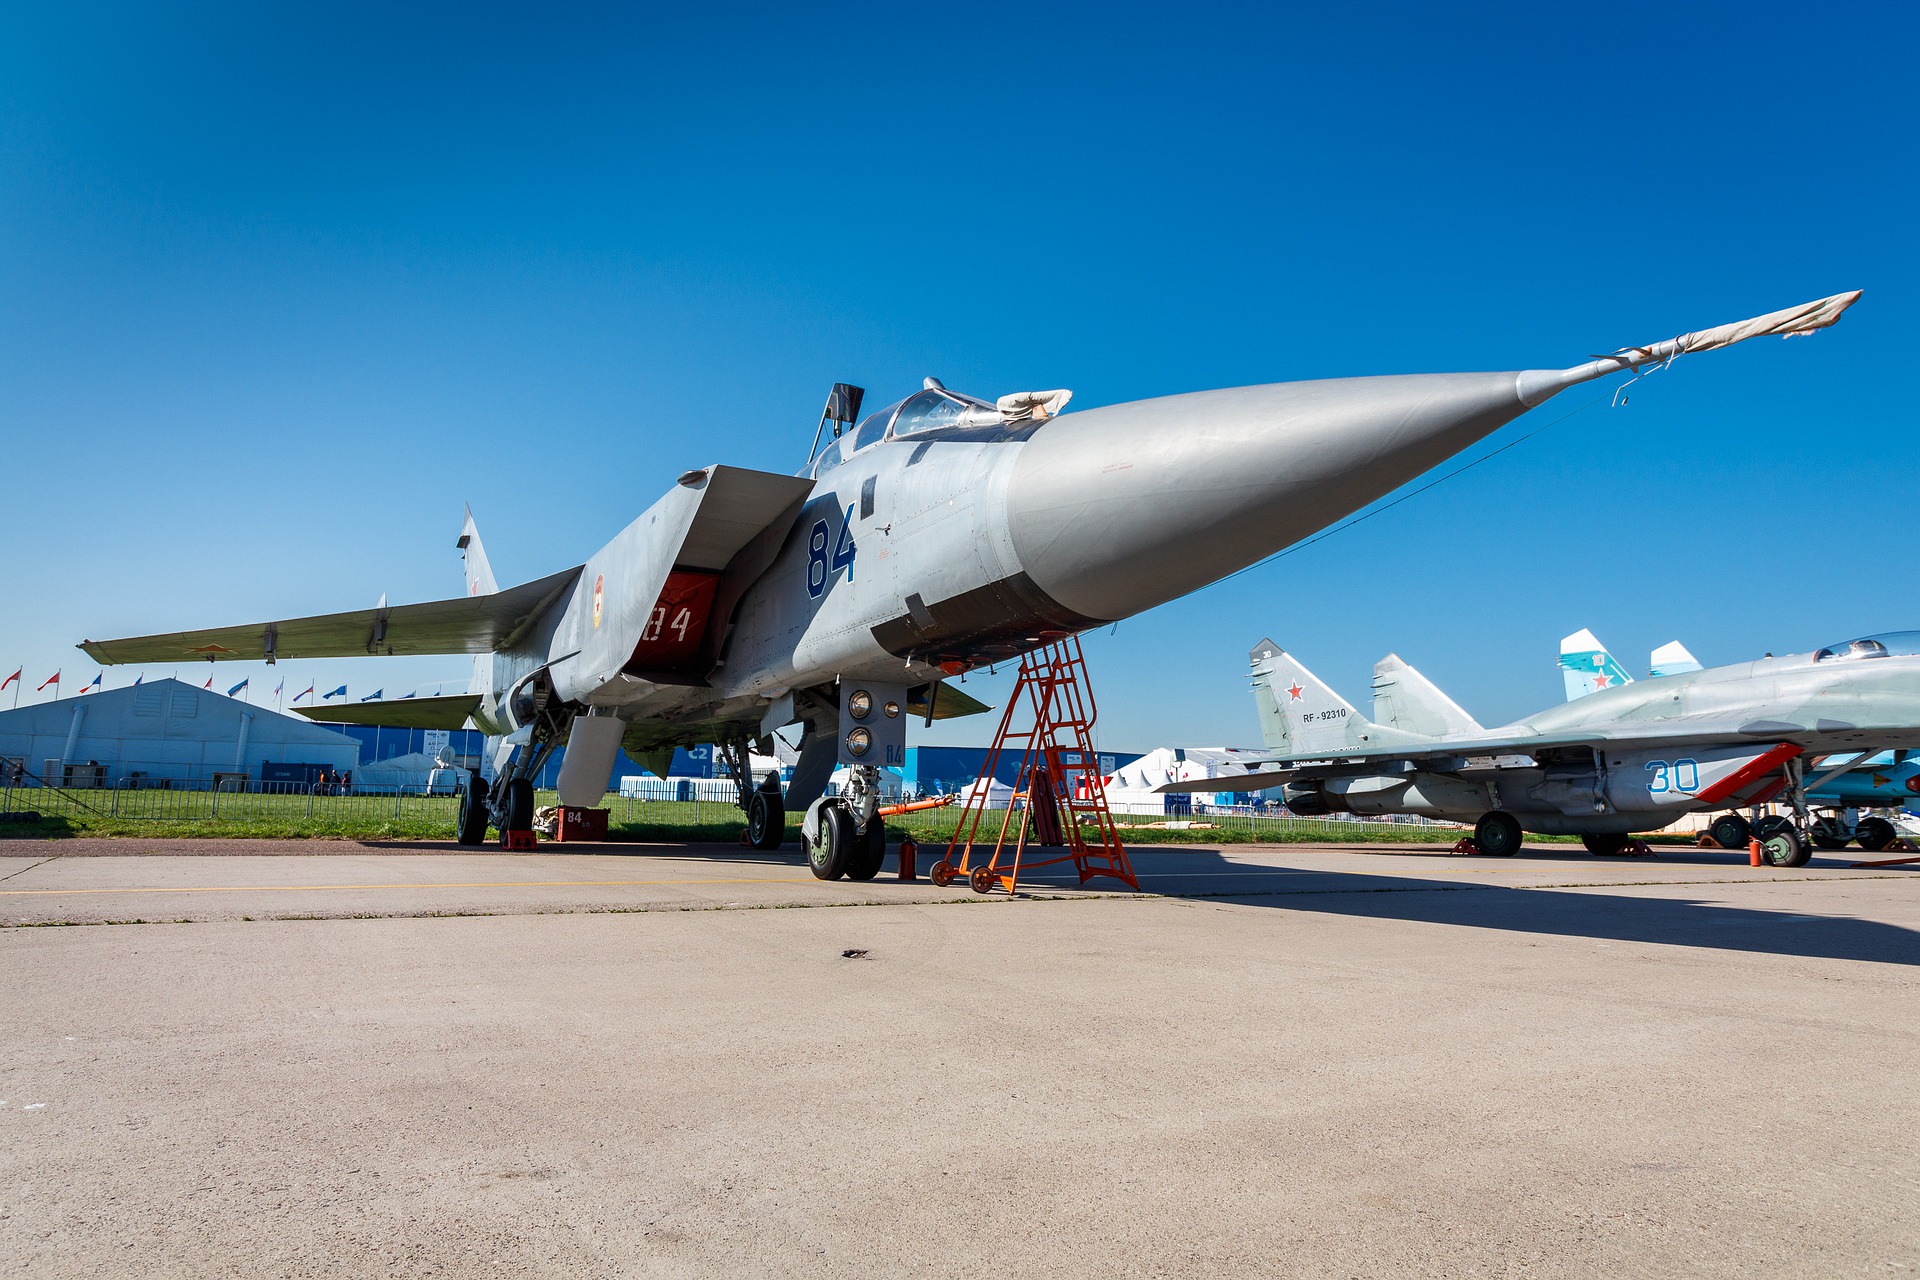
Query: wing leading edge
x=469 y=624
x=450 y=712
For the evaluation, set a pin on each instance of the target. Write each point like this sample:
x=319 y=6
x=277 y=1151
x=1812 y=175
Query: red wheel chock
x=1640 y=849
x=1901 y=845
x=1467 y=846
x=517 y=841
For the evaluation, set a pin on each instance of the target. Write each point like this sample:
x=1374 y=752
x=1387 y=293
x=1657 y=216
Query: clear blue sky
x=279 y=291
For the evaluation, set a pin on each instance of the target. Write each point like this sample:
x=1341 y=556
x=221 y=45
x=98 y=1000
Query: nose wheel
x=1781 y=843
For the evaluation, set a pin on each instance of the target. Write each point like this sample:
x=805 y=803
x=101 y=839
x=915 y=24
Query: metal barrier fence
x=652 y=812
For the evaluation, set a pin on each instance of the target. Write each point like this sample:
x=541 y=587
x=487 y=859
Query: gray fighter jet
x=1625 y=758
x=942 y=533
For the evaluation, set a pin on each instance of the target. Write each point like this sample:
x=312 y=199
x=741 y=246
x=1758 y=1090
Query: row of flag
x=53 y=681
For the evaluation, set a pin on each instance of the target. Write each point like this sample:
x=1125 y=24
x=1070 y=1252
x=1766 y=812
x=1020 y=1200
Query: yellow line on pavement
x=446 y=884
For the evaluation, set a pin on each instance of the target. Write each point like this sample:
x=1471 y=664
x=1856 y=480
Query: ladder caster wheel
x=982 y=880
x=942 y=874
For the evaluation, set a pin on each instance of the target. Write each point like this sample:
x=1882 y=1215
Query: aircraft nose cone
x=1117 y=509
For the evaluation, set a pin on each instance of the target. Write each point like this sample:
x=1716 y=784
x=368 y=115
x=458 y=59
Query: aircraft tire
x=1604 y=846
x=766 y=820
x=1875 y=834
x=827 y=857
x=1498 y=835
x=1824 y=841
x=519 y=805
x=1781 y=843
x=869 y=853
x=1731 y=831
x=472 y=827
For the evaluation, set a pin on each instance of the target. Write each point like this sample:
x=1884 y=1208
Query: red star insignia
x=1294 y=691
x=1601 y=682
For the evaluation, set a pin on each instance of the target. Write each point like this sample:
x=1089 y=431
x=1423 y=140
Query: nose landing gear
x=1782 y=844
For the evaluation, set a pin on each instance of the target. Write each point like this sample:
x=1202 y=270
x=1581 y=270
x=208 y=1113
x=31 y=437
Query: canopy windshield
x=935 y=409
x=1889 y=644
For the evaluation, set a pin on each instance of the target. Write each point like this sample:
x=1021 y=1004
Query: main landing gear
x=766 y=811
x=507 y=805
x=1498 y=835
x=1837 y=829
x=766 y=815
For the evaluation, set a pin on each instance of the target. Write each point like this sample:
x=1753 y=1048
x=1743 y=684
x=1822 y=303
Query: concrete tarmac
x=366 y=1060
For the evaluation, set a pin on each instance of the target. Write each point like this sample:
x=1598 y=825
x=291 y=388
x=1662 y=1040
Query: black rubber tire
x=869 y=853
x=1604 y=846
x=827 y=857
x=766 y=820
x=519 y=805
x=1781 y=843
x=1498 y=835
x=1731 y=831
x=1875 y=834
x=1827 y=842
x=473 y=810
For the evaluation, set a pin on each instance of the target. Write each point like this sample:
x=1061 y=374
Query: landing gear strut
x=1782 y=844
x=766 y=812
x=850 y=838
x=508 y=805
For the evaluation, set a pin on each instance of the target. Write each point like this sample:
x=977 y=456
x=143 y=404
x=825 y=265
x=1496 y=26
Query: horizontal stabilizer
x=469 y=624
x=1587 y=667
x=1672 y=658
x=401 y=713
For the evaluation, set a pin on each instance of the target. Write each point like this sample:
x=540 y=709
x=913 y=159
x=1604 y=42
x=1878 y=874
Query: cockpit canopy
x=1891 y=644
x=952 y=414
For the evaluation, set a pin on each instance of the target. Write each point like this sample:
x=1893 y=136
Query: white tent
x=1132 y=788
x=998 y=794
x=415 y=769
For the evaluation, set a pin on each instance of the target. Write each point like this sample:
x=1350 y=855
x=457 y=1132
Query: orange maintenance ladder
x=1059 y=797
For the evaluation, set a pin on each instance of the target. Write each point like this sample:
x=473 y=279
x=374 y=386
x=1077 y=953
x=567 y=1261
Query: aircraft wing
x=450 y=712
x=1447 y=755
x=468 y=624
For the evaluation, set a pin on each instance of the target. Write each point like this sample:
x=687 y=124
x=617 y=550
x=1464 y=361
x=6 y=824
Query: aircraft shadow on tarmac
x=1473 y=902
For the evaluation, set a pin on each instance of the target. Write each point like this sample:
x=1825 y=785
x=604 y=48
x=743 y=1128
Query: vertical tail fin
x=1587 y=667
x=1301 y=716
x=1406 y=700
x=1670 y=659
x=479 y=583
x=479 y=573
